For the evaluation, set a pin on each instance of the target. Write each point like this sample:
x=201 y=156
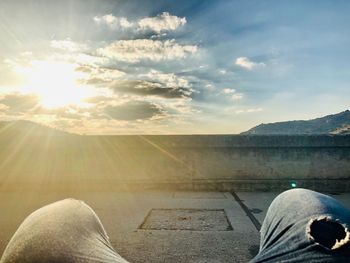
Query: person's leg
x=65 y=231
x=305 y=226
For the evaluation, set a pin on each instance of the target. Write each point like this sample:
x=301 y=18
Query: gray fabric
x=65 y=231
x=287 y=235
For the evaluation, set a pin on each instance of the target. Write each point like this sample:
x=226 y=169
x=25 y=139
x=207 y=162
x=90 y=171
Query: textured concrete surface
x=123 y=213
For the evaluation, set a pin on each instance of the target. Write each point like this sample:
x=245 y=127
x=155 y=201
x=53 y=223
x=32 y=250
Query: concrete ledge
x=180 y=141
x=324 y=185
x=203 y=162
x=185 y=141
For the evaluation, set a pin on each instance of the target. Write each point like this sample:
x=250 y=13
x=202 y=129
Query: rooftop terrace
x=169 y=198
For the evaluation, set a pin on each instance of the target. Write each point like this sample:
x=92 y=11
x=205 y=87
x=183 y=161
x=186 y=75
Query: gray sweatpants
x=65 y=231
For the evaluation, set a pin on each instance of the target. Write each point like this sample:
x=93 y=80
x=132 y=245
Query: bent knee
x=293 y=196
x=63 y=209
x=295 y=192
x=71 y=201
x=70 y=205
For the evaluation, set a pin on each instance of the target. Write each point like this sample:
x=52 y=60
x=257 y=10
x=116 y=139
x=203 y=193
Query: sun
x=55 y=83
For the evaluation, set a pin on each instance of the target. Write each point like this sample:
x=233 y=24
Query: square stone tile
x=187 y=219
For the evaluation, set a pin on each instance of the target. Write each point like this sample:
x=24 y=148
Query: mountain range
x=331 y=124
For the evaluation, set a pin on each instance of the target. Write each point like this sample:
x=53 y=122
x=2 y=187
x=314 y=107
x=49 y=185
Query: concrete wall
x=187 y=162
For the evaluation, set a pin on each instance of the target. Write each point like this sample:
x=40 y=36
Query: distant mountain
x=330 y=124
x=23 y=127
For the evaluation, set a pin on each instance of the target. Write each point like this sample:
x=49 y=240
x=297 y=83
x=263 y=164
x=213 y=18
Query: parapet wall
x=215 y=162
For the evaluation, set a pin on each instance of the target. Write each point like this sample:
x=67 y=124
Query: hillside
x=28 y=128
x=330 y=124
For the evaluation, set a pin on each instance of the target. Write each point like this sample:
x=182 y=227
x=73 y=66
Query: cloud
x=65 y=112
x=153 y=83
x=170 y=80
x=99 y=75
x=68 y=45
x=250 y=110
x=161 y=23
x=237 y=96
x=146 y=49
x=113 y=22
x=18 y=103
x=9 y=76
x=246 y=63
x=103 y=100
x=149 y=88
x=101 y=107
x=148 y=94
x=232 y=93
x=228 y=91
x=209 y=87
x=133 y=110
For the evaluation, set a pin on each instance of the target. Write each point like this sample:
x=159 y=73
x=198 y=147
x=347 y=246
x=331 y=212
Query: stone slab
x=187 y=219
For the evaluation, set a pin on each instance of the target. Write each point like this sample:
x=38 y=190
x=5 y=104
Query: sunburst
x=55 y=83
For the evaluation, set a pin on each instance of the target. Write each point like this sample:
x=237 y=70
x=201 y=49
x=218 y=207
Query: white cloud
x=237 y=96
x=169 y=79
x=232 y=93
x=26 y=54
x=209 y=87
x=146 y=49
x=246 y=63
x=113 y=22
x=99 y=75
x=250 y=110
x=74 y=52
x=67 y=45
x=254 y=110
x=161 y=23
x=109 y=74
x=228 y=91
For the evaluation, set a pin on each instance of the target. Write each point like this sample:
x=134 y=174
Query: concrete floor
x=122 y=214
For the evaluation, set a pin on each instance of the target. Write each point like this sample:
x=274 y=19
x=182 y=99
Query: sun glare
x=55 y=83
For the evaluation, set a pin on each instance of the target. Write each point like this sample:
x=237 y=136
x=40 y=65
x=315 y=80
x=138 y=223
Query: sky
x=172 y=67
